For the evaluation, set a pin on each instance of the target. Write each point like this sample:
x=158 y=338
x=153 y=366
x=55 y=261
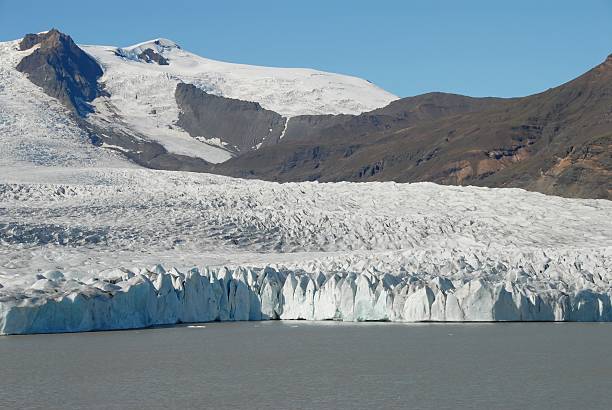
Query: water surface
x=300 y=365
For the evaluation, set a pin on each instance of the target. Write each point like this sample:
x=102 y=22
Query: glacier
x=117 y=248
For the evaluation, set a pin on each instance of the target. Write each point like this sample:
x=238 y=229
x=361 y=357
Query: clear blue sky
x=473 y=47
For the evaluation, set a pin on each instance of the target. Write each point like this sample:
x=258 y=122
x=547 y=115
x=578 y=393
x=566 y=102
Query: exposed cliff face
x=31 y=39
x=242 y=125
x=61 y=69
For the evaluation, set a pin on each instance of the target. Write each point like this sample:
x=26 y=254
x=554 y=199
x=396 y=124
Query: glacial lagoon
x=302 y=365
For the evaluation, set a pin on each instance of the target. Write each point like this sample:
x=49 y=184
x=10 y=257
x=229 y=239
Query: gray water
x=300 y=365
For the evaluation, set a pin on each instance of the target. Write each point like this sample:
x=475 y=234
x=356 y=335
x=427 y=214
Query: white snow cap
x=159 y=44
x=288 y=91
x=142 y=93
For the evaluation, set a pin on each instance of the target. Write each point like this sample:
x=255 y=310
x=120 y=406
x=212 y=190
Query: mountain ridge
x=557 y=142
x=164 y=108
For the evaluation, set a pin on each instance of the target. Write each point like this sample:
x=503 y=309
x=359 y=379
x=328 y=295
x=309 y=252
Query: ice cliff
x=123 y=299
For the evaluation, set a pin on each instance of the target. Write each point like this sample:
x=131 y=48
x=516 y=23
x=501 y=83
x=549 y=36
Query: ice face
x=152 y=298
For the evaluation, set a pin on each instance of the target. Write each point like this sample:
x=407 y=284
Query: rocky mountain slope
x=239 y=125
x=557 y=142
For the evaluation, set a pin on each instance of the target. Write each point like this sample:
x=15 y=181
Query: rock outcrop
x=149 y=55
x=61 y=69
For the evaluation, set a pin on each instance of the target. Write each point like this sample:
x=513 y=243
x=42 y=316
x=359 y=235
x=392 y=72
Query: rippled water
x=313 y=365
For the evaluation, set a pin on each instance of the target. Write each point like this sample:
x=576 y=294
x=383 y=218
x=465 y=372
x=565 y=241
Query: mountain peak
x=164 y=42
x=51 y=36
x=61 y=69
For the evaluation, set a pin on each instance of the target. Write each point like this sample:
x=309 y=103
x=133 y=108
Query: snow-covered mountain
x=142 y=92
x=161 y=107
x=138 y=86
x=36 y=129
x=288 y=91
